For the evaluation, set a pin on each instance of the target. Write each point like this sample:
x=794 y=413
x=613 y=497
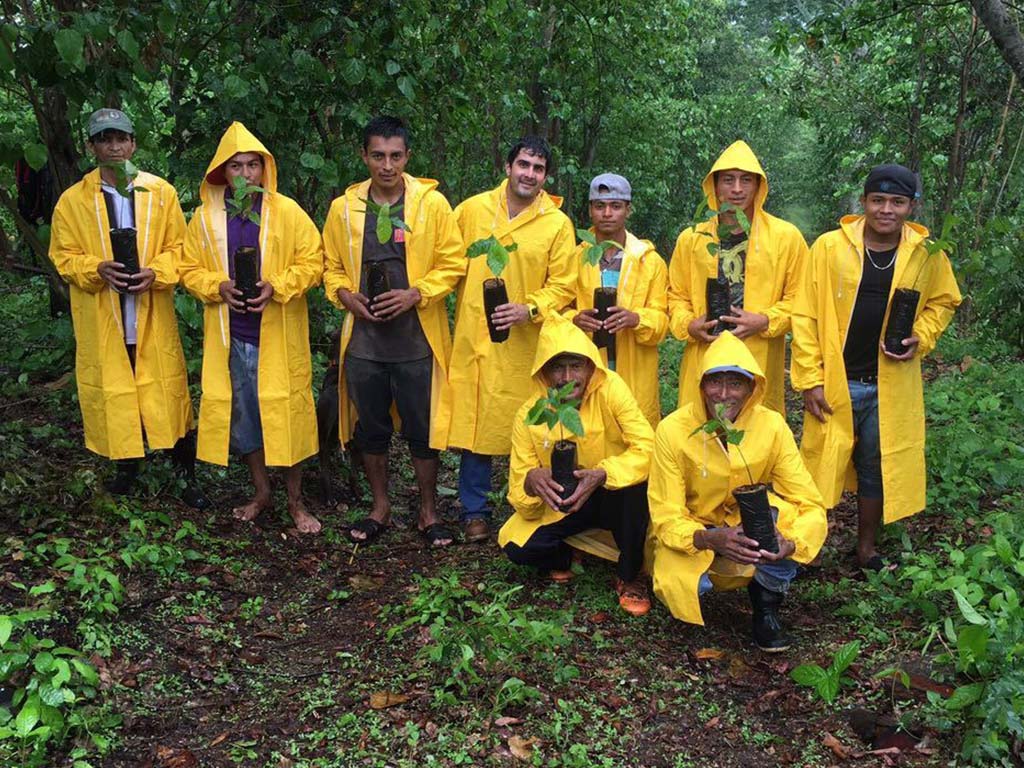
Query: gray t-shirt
x=400 y=340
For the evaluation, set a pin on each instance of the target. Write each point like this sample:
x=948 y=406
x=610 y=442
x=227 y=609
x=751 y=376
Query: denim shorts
x=867 y=450
x=246 y=428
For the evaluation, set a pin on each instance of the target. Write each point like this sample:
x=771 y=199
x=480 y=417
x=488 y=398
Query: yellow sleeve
x=560 y=287
x=306 y=265
x=671 y=522
x=450 y=262
x=940 y=305
x=201 y=282
x=632 y=465
x=72 y=263
x=336 y=275
x=794 y=256
x=791 y=480
x=807 y=366
x=522 y=459
x=680 y=303
x=168 y=259
x=654 y=313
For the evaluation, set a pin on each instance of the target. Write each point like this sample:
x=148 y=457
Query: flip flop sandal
x=435 y=533
x=368 y=527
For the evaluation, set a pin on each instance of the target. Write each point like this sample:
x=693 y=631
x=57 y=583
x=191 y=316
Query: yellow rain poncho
x=292 y=262
x=692 y=479
x=435 y=261
x=821 y=318
x=776 y=252
x=616 y=435
x=117 y=405
x=641 y=290
x=490 y=380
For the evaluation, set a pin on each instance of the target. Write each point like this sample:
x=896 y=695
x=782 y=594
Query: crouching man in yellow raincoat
x=639 y=319
x=132 y=382
x=257 y=373
x=613 y=453
x=763 y=269
x=699 y=542
x=864 y=404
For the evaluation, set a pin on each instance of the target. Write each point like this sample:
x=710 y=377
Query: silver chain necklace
x=873 y=264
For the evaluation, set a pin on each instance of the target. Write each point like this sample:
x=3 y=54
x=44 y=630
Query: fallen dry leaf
x=219 y=738
x=175 y=757
x=709 y=653
x=385 y=699
x=712 y=723
x=521 y=748
x=361 y=583
x=501 y=722
x=839 y=749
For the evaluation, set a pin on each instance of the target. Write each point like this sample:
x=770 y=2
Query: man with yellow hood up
x=762 y=269
x=488 y=379
x=257 y=374
x=396 y=348
x=613 y=453
x=698 y=540
x=864 y=423
x=130 y=368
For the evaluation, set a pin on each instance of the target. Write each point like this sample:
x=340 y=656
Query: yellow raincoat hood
x=559 y=336
x=727 y=350
x=737 y=155
x=237 y=139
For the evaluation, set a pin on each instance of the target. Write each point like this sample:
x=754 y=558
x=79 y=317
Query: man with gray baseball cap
x=632 y=268
x=116 y=239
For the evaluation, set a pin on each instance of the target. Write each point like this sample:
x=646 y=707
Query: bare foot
x=248 y=512
x=304 y=521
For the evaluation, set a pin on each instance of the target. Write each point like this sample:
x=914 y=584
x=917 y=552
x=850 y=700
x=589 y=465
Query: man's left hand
x=142 y=280
x=391 y=304
x=908 y=344
x=745 y=323
x=786 y=549
x=260 y=302
x=507 y=315
x=620 y=318
x=590 y=481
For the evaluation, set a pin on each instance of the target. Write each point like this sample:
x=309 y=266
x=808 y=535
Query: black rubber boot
x=183 y=454
x=768 y=633
x=124 y=478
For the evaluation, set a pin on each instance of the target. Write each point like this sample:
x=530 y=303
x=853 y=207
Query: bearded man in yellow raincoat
x=864 y=423
x=132 y=382
x=698 y=540
x=762 y=269
x=613 y=453
x=393 y=356
x=489 y=380
x=257 y=373
x=639 y=319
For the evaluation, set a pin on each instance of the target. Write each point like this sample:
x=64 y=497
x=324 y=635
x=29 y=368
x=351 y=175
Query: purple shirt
x=244 y=233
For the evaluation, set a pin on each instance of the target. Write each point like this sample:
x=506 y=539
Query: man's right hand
x=232 y=296
x=357 y=304
x=586 y=320
x=816 y=404
x=700 y=329
x=113 y=272
x=732 y=544
x=540 y=483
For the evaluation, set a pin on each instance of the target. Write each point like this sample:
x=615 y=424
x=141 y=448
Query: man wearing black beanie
x=864 y=423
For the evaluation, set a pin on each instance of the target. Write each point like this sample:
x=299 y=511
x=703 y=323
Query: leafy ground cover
x=143 y=633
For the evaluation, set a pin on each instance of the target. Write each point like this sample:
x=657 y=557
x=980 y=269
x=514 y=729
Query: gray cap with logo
x=610 y=186
x=109 y=119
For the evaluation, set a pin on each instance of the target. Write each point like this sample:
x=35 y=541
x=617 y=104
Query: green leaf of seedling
x=968 y=611
x=734 y=436
x=828 y=688
x=536 y=412
x=586 y=236
x=713 y=248
x=480 y=247
x=570 y=418
x=384 y=224
x=497 y=258
x=6 y=627
x=397 y=222
x=845 y=656
x=809 y=675
x=741 y=217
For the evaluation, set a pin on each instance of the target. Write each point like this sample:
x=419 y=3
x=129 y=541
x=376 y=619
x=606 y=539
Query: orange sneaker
x=634 y=598
x=561 y=577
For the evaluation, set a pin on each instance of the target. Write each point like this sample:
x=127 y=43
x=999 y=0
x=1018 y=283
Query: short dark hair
x=387 y=127
x=533 y=145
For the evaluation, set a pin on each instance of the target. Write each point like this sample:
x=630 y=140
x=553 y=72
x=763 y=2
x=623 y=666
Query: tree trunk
x=60 y=299
x=1004 y=31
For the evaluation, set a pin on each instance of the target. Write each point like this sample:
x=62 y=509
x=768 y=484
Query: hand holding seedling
x=231 y=296
x=586 y=320
x=111 y=271
x=357 y=304
x=745 y=324
x=391 y=304
x=910 y=344
x=143 y=279
x=786 y=549
x=541 y=484
x=590 y=481
x=816 y=404
x=258 y=304
x=730 y=543
x=700 y=329
x=507 y=315
x=620 y=318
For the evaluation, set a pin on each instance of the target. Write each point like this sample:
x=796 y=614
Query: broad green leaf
x=968 y=611
x=42 y=589
x=28 y=716
x=713 y=248
x=741 y=217
x=235 y=87
x=808 y=674
x=480 y=247
x=6 y=627
x=62 y=674
x=972 y=642
x=128 y=44
x=570 y=418
x=964 y=696
x=70 y=44
x=311 y=160
x=86 y=671
x=384 y=224
x=50 y=696
x=828 y=688
x=734 y=436
x=391 y=67
x=167 y=21
x=512 y=247
x=535 y=412
x=407 y=86
x=586 y=236
x=497 y=258
x=353 y=71
x=35 y=156
x=43 y=662
x=845 y=656
x=399 y=224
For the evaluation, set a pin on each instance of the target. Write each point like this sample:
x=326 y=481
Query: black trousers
x=624 y=512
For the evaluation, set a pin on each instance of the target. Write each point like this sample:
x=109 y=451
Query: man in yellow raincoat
x=132 y=382
x=488 y=380
x=394 y=356
x=864 y=404
x=257 y=374
x=698 y=540
x=639 y=319
x=762 y=268
x=614 y=455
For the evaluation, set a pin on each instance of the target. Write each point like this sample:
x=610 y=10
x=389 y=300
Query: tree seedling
x=497 y=254
x=387 y=219
x=242 y=200
x=125 y=173
x=726 y=431
x=826 y=682
x=557 y=409
x=595 y=250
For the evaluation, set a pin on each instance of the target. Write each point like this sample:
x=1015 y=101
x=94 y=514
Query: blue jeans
x=867 y=450
x=474 y=485
x=775 y=577
x=246 y=427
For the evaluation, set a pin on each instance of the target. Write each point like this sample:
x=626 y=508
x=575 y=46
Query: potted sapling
x=903 y=309
x=495 y=293
x=558 y=409
x=123 y=240
x=605 y=297
x=388 y=221
x=246 y=258
x=717 y=295
x=752 y=499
